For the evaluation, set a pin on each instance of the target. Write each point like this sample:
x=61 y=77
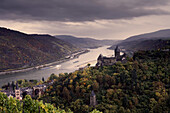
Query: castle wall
x=105 y=61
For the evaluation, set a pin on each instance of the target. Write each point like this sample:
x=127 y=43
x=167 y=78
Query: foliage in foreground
x=28 y=105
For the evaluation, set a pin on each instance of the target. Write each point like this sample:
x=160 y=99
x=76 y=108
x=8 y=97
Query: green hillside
x=141 y=85
x=19 y=50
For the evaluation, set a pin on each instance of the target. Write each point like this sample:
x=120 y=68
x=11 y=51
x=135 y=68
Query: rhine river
x=66 y=67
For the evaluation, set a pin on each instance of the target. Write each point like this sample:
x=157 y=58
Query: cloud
x=79 y=10
x=101 y=29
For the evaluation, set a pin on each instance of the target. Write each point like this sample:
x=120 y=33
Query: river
x=68 y=66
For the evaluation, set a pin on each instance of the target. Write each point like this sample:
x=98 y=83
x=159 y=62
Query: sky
x=99 y=19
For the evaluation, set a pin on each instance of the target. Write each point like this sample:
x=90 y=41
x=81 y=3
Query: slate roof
x=117 y=49
x=17 y=86
x=92 y=93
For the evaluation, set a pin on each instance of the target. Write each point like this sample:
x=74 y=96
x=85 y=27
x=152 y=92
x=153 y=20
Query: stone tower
x=99 y=60
x=93 y=101
x=117 y=52
x=18 y=92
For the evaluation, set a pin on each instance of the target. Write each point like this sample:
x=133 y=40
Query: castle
x=106 y=61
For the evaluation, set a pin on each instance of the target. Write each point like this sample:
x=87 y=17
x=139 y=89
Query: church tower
x=117 y=52
x=93 y=101
x=18 y=92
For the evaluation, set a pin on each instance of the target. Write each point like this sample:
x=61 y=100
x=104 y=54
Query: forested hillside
x=161 y=34
x=140 y=85
x=147 y=41
x=144 y=45
x=19 y=50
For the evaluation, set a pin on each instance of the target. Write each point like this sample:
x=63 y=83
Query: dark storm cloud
x=78 y=10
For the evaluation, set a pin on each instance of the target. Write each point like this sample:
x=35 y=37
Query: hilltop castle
x=105 y=61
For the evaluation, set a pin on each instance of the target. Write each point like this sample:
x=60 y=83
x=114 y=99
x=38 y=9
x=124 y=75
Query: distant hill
x=22 y=50
x=161 y=34
x=145 y=45
x=148 y=41
x=86 y=42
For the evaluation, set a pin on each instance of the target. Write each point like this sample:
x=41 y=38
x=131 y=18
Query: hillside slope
x=19 y=50
x=148 y=41
x=161 y=34
x=143 y=45
x=141 y=85
x=86 y=42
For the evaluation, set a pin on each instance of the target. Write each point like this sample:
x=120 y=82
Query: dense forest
x=142 y=84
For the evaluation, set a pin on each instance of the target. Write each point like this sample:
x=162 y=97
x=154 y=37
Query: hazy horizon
x=82 y=36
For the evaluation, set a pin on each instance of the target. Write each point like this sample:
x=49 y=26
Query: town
x=13 y=90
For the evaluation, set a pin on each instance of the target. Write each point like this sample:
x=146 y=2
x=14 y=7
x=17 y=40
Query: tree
x=66 y=93
x=77 y=91
x=43 y=79
x=52 y=77
x=95 y=86
x=27 y=105
x=121 y=110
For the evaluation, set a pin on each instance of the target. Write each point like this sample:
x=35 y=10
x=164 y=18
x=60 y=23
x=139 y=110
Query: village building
x=39 y=90
x=8 y=93
x=106 y=61
x=18 y=92
x=26 y=91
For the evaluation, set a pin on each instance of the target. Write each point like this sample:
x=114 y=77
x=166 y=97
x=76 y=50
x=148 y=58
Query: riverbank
x=65 y=67
x=67 y=58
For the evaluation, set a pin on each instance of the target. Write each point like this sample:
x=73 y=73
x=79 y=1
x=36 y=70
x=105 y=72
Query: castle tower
x=18 y=92
x=93 y=101
x=100 y=57
x=117 y=52
x=99 y=60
